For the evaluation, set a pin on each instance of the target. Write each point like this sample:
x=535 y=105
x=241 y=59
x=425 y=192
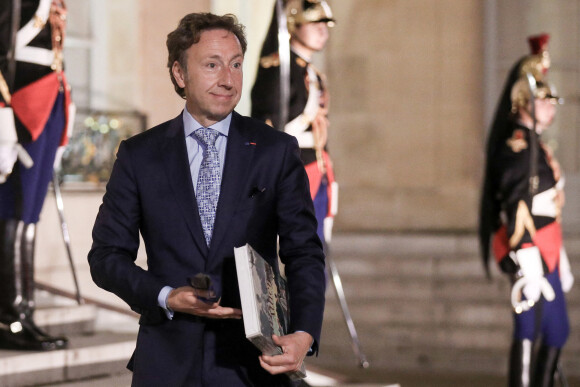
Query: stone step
x=421 y=243
x=100 y=342
x=388 y=355
x=405 y=243
x=425 y=317
x=66 y=320
x=421 y=336
x=88 y=355
x=423 y=314
x=61 y=316
x=420 y=266
x=409 y=287
x=387 y=288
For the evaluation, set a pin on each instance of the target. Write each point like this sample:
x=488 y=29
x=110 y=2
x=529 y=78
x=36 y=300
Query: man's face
x=213 y=78
x=545 y=112
x=312 y=35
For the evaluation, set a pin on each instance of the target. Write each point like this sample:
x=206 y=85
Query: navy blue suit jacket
x=264 y=194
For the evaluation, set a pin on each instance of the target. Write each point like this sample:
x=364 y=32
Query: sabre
x=534 y=179
x=356 y=347
x=65 y=234
x=284 y=53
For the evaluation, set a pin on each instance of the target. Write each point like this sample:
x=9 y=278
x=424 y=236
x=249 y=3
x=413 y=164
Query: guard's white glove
x=8 y=141
x=327 y=228
x=566 y=277
x=329 y=220
x=10 y=149
x=530 y=262
x=334 y=198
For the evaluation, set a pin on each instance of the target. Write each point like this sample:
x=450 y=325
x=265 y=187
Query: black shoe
x=17 y=328
x=24 y=335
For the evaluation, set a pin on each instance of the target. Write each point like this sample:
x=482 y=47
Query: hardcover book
x=265 y=306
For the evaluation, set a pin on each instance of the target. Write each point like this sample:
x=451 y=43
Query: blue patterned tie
x=208 y=181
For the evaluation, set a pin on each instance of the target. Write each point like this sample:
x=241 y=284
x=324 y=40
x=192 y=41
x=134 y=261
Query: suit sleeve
x=116 y=241
x=300 y=248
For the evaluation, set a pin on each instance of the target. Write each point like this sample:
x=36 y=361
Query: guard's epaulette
x=517 y=142
x=272 y=60
x=301 y=62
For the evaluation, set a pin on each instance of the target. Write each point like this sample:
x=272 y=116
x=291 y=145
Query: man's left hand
x=186 y=299
x=294 y=346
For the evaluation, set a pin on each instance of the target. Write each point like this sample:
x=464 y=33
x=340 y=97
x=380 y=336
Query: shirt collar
x=299 y=56
x=190 y=124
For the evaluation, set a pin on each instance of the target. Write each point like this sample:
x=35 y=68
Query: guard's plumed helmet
x=299 y=12
x=539 y=61
x=536 y=64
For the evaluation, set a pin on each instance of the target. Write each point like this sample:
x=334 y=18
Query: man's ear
x=178 y=74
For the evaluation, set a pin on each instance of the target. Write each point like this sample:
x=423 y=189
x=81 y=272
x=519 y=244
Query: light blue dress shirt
x=195 y=150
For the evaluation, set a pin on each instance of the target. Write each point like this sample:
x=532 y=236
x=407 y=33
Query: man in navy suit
x=185 y=339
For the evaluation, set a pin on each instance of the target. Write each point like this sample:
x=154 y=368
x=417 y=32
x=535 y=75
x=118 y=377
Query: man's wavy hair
x=189 y=31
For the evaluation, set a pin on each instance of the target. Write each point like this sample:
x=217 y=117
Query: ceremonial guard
x=308 y=22
x=34 y=104
x=291 y=95
x=521 y=207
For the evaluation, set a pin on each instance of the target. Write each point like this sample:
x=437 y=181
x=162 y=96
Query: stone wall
x=406 y=110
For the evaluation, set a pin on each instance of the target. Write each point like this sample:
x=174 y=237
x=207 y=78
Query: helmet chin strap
x=540 y=125
x=528 y=120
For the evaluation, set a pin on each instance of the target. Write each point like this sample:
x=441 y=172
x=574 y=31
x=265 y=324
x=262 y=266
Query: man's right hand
x=184 y=300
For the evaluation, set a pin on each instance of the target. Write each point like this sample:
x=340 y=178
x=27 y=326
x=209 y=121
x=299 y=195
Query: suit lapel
x=238 y=156
x=174 y=154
